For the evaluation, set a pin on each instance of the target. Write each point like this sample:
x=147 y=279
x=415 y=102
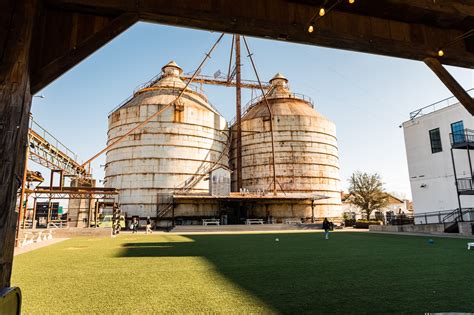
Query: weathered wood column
x=16 y=28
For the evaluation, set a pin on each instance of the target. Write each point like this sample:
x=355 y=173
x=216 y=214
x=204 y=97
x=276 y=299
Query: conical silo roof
x=279 y=76
x=282 y=102
x=167 y=87
x=171 y=76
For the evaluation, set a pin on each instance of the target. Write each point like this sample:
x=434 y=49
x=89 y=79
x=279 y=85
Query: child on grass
x=326 y=228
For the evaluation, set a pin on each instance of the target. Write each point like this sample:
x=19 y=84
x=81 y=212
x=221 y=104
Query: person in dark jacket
x=135 y=223
x=148 y=226
x=326 y=228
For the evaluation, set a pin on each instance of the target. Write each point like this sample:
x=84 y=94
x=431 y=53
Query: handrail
x=462 y=136
x=424 y=110
x=57 y=144
x=465 y=184
x=203 y=170
x=254 y=101
x=451 y=214
x=153 y=81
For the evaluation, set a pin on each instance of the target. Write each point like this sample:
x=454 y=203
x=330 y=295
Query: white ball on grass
x=277 y=240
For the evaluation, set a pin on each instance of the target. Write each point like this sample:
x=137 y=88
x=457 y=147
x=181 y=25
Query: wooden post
x=48 y=218
x=33 y=220
x=23 y=221
x=16 y=28
x=89 y=212
x=22 y=209
x=458 y=91
x=96 y=213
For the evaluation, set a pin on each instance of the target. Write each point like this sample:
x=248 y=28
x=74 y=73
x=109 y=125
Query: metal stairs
x=204 y=169
x=451 y=220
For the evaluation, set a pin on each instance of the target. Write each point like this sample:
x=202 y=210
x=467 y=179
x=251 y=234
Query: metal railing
x=48 y=151
x=48 y=137
x=57 y=224
x=465 y=184
x=204 y=169
x=444 y=216
x=153 y=81
x=401 y=219
x=437 y=105
x=254 y=101
x=462 y=137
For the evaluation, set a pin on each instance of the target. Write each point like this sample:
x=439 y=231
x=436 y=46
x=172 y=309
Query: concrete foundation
x=79 y=209
x=246 y=228
x=235 y=209
x=465 y=228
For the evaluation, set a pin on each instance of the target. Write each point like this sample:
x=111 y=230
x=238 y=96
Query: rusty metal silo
x=171 y=153
x=306 y=153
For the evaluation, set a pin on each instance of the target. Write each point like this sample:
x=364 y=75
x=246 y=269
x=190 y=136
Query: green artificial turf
x=248 y=273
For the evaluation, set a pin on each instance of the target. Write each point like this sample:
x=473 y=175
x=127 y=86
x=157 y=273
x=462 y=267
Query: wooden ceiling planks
x=413 y=29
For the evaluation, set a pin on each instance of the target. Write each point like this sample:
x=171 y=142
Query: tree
x=366 y=191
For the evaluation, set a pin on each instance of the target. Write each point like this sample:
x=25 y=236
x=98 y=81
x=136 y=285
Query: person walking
x=148 y=226
x=135 y=225
x=326 y=228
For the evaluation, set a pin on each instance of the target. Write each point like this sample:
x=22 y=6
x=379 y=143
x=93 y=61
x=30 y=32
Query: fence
x=438 y=105
x=446 y=216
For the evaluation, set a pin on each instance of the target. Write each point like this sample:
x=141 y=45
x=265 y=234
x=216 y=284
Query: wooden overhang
x=42 y=39
x=67 y=31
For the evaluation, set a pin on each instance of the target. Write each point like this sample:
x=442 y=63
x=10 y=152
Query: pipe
x=208 y=55
x=269 y=112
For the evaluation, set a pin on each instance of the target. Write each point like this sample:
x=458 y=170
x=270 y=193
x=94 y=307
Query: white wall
x=434 y=171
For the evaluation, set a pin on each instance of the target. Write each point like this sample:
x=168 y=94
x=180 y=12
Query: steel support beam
x=238 y=111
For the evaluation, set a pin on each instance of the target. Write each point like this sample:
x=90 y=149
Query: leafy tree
x=366 y=191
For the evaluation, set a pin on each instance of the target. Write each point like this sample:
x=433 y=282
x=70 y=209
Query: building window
x=457 y=131
x=435 y=139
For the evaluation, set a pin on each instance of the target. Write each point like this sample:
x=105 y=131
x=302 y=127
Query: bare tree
x=366 y=191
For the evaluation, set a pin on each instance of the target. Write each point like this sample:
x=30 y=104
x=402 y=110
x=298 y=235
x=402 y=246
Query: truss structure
x=73 y=193
x=49 y=152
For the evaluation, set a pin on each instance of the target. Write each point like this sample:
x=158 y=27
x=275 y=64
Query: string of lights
x=441 y=51
x=323 y=10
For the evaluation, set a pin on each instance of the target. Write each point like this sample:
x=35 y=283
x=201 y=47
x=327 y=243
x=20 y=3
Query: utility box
x=219 y=182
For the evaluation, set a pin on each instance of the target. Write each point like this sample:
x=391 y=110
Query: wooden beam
x=342 y=28
x=45 y=74
x=15 y=101
x=464 y=98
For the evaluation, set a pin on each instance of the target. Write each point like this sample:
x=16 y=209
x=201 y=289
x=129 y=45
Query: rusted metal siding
x=170 y=150
x=306 y=153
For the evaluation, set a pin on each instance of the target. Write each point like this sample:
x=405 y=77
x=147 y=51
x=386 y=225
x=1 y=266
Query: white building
x=429 y=136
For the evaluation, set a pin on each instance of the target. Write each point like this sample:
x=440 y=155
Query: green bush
x=364 y=224
x=349 y=222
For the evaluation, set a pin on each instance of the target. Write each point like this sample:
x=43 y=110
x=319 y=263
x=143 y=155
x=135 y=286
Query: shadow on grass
x=350 y=273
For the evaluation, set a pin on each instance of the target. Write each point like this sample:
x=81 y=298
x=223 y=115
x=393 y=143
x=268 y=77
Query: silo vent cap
x=172 y=68
x=279 y=79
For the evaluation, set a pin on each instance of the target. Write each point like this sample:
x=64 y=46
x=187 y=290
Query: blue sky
x=367 y=96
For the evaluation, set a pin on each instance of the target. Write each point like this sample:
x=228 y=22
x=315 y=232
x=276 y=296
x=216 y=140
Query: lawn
x=248 y=273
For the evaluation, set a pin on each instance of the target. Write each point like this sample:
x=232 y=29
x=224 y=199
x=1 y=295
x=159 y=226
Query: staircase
x=204 y=169
x=451 y=220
